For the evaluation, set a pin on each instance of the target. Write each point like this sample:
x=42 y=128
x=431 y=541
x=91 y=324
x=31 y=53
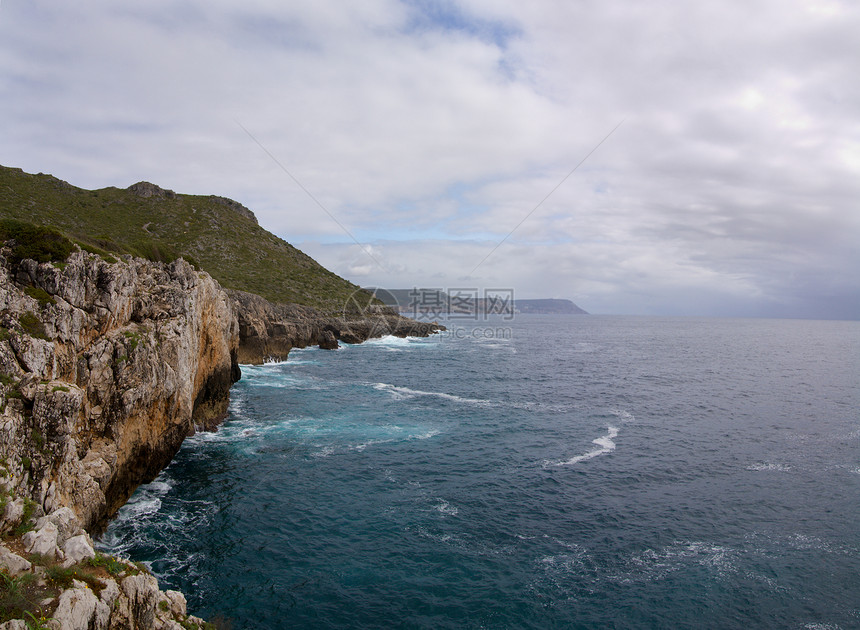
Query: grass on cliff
x=211 y=232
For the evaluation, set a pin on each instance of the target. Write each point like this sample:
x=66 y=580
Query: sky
x=641 y=157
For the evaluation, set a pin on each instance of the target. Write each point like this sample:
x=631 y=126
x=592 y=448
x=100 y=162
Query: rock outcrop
x=105 y=368
x=91 y=592
x=267 y=332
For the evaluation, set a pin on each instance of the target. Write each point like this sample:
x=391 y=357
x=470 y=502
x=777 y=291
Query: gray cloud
x=731 y=187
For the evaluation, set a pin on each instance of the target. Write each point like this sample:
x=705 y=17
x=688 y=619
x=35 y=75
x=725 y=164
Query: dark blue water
x=549 y=472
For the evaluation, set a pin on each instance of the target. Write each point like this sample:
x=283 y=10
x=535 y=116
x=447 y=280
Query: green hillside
x=216 y=234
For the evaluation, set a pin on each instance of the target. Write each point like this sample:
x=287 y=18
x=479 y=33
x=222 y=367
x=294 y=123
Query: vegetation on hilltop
x=217 y=235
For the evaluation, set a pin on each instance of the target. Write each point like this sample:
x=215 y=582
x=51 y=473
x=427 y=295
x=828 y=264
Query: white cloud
x=432 y=131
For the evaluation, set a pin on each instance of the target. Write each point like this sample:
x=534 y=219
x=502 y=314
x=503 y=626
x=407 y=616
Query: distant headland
x=423 y=302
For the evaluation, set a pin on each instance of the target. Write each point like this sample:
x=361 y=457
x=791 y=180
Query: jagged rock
x=33 y=354
x=145 y=189
x=14 y=512
x=327 y=340
x=15 y=624
x=138 y=354
x=177 y=602
x=42 y=541
x=13 y=563
x=80 y=609
x=77 y=549
x=97 y=468
x=143 y=596
x=56 y=407
x=8 y=361
x=29 y=385
x=65 y=522
x=110 y=592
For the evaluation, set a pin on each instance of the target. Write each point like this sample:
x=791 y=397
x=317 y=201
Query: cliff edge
x=105 y=367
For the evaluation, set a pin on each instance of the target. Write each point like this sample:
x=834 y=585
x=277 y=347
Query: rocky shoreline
x=106 y=365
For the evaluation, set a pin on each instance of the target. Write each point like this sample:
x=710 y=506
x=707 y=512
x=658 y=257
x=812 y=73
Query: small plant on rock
x=36 y=623
x=26 y=523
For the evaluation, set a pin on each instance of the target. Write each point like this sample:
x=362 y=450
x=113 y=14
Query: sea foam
x=604 y=442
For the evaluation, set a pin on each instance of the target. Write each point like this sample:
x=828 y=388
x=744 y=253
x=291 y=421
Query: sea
x=545 y=471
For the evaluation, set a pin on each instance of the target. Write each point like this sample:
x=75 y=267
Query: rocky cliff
x=105 y=367
x=268 y=332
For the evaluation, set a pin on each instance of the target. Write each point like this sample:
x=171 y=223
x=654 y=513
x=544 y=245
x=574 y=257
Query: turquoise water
x=548 y=472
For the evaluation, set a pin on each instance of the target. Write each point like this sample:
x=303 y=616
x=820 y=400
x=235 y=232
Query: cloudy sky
x=441 y=144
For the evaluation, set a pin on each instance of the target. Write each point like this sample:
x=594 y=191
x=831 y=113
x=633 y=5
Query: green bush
x=108 y=563
x=42 y=244
x=41 y=295
x=32 y=325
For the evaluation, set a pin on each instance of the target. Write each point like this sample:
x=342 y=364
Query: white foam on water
x=404 y=393
x=445 y=508
x=772 y=466
x=141 y=508
x=771 y=583
x=332 y=449
x=624 y=416
x=652 y=565
x=390 y=342
x=442 y=538
x=604 y=442
x=426 y=435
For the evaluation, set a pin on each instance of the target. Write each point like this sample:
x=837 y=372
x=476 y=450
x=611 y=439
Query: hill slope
x=217 y=234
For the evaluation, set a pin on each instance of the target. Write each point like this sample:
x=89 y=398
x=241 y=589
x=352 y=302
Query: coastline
x=107 y=366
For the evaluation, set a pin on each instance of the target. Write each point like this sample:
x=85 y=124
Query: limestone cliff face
x=106 y=368
x=267 y=332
